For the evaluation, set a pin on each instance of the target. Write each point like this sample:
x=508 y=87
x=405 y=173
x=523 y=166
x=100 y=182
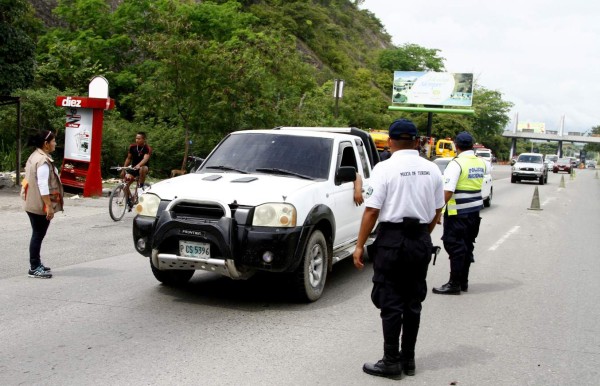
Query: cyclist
x=138 y=157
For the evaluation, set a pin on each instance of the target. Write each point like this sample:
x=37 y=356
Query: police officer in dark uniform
x=463 y=178
x=407 y=200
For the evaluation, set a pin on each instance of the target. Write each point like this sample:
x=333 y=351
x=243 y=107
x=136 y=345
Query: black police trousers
x=459 y=237
x=401 y=258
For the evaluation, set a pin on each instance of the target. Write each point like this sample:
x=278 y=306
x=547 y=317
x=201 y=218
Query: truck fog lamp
x=141 y=244
x=268 y=256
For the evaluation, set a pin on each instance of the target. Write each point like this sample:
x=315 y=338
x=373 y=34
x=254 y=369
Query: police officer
x=463 y=178
x=407 y=200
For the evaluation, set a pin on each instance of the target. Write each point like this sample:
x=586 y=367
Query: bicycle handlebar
x=126 y=168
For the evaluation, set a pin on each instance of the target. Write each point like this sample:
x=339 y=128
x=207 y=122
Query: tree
x=17 y=47
x=593 y=147
x=410 y=57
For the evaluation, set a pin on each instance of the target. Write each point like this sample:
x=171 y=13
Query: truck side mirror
x=512 y=161
x=345 y=174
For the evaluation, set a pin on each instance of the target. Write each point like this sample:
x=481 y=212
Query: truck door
x=348 y=214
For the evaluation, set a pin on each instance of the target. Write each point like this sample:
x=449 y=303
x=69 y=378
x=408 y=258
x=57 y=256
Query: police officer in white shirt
x=407 y=200
x=463 y=178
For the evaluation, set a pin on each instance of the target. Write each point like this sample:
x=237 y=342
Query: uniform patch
x=476 y=172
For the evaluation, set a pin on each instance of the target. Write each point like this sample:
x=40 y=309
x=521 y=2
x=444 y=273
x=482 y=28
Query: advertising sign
x=432 y=88
x=532 y=127
x=78 y=134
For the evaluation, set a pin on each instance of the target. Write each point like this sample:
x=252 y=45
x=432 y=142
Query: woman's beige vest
x=30 y=192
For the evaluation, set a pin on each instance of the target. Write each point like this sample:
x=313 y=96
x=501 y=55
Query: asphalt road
x=530 y=316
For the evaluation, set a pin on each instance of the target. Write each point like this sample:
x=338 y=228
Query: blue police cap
x=463 y=140
x=402 y=129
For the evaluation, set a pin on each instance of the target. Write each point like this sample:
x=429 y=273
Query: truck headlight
x=147 y=205
x=274 y=215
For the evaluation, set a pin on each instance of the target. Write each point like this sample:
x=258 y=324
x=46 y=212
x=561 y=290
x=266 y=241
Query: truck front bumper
x=236 y=250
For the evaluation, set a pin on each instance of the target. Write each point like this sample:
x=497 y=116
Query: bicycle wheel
x=118 y=202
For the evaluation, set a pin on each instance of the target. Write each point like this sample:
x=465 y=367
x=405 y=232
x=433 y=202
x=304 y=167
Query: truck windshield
x=533 y=159
x=308 y=157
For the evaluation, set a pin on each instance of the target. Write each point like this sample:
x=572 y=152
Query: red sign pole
x=79 y=168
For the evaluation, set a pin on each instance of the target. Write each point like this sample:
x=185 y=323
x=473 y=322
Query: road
x=530 y=316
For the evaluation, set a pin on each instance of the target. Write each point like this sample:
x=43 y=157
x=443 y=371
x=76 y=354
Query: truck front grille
x=210 y=212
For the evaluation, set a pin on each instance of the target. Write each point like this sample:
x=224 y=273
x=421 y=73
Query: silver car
x=530 y=166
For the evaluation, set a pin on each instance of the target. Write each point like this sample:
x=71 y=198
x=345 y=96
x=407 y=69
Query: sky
x=542 y=55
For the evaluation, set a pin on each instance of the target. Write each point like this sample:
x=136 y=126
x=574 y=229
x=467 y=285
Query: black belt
x=408 y=224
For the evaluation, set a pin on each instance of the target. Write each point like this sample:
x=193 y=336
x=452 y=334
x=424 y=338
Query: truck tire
x=172 y=277
x=541 y=180
x=309 y=278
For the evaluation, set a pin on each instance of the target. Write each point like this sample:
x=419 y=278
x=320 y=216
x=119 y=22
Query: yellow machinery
x=429 y=148
x=445 y=148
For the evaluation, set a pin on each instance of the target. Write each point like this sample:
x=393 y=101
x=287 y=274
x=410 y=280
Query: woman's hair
x=40 y=137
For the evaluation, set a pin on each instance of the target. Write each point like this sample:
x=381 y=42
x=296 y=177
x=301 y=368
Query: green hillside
x=189 y=72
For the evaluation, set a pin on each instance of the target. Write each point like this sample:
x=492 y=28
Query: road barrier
x=562 y=182
x=572 y=173
x=596 y=177
x=535 y=201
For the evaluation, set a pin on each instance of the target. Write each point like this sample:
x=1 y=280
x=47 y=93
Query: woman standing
x=42 y=192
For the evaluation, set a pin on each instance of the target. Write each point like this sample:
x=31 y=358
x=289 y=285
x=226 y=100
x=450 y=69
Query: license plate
x=194 y=249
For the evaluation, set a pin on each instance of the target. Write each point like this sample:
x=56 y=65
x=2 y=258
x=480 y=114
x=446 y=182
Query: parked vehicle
x=445 y=148
x=278 y=201
x=529 y=166
x=487 y=189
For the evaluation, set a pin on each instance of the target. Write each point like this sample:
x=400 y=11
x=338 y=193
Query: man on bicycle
x=138 y=158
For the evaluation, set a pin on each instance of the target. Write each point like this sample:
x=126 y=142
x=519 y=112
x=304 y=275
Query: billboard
x=532 y=127
x=432 y=88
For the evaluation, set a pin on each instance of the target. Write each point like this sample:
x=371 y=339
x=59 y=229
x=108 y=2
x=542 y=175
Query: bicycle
x=121 y=197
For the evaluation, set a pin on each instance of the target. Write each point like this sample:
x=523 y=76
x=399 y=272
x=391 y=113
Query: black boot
x=450 y=288
x=408 y=364
x=390 y=366
x=464 y=279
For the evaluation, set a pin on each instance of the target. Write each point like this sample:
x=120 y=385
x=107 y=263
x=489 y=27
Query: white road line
x=503 y=238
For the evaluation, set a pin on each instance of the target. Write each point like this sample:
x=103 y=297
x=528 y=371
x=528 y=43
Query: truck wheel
x=541 y=180
x=513 y=179
x=172 y=277
x=311 y=274
x=488 y=201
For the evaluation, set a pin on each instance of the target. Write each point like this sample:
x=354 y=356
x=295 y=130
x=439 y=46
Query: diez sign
x=69 y=102
x=85 y=102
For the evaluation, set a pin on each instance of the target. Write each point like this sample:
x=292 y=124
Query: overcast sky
x=543 y=56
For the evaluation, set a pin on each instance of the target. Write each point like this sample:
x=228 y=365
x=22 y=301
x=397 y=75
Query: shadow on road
x=267 y=290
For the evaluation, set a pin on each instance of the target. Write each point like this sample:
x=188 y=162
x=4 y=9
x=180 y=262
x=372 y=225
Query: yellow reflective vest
x=467 y=195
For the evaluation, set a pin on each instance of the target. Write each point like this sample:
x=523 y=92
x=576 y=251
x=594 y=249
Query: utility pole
x=338 y=91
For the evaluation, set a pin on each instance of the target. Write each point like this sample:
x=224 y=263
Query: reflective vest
x=467 y=195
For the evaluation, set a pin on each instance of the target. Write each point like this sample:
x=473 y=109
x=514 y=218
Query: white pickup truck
x=277 y=200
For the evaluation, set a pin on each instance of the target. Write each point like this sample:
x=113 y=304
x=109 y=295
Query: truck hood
x=528 y=165
x=245 y=189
